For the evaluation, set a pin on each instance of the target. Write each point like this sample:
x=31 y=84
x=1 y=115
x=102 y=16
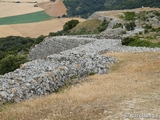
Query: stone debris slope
x=43 y=76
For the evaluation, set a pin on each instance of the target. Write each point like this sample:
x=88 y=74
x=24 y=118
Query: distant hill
x=85 y=8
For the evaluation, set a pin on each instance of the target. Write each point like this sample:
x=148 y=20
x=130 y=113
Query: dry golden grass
x=115 y=13
x=56 y=8
x=6 y=30
x=132 y=85
x=88 y=25
x=35 y=29
x=12 y=9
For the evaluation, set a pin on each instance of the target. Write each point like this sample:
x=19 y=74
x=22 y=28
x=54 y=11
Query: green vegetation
x=26 y=18
x=66 y=28
x=130 y=26
x=93 y=26
x=149 y=28
x=87 y=27
x=103 y=26
x=12 y=62
x=70 y=24
x=118 y=25
x=14 y=50
x=91 y=73
x=85 y=8
x=129 y=16
x=136 y=41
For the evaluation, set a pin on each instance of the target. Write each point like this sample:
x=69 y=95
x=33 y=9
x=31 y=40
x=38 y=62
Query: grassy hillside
x=87 y=27
x=131 y=85
x=84 y=8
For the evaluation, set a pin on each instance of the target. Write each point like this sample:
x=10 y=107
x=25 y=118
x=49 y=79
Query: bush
x=147 y=27
x=70 y=24
x=118 y=25
x=59 y=33
x=39 y=39
x=11 y=62
x=130 y=26
x=103 y=26
x=123 y=32
x=127 y=41
x=2 y=55
x=91 y=73
x=135 y=41
x=129 y=16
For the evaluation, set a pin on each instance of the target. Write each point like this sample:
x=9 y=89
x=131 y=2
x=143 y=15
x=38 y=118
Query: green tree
x=70 y=24
x=11 y=62
x=130 y=26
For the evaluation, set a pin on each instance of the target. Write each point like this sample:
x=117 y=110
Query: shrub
x=70 y=24
x=118 y=25
x=91 y=73
x=129 y=16
x=103 y=26
x=11 y=62
x=147 y=27
x=130 y=26
x=135 y=41
x=123 y=32
x=127 y=41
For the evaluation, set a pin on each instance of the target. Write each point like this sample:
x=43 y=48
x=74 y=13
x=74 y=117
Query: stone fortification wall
x=55 y=45
x=44 y=76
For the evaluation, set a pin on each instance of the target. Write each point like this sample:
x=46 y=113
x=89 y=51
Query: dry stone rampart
x=44 y=76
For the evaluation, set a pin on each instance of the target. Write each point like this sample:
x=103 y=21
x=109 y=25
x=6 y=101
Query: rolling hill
x=85 y=8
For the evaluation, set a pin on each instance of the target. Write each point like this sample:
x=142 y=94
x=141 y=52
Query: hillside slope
x=84 y=8
x=129 y=86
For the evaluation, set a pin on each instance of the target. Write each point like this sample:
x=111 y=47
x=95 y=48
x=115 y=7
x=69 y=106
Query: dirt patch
x=12 y=9
x=35 y=29
x=54 y=8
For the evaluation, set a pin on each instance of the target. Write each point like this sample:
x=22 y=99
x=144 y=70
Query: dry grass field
x=8 y=8
x=115 y=13
x=12 y=9
x=131 y=86
x=35 y=29
x=56 y=8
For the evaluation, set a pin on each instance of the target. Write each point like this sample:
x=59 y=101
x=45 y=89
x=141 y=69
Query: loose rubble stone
x=46 y=75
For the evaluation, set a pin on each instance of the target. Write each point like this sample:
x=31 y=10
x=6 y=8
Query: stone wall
x=55 y=45
x=44 y=76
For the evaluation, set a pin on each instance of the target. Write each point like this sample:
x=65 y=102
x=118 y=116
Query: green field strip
x=25 y=18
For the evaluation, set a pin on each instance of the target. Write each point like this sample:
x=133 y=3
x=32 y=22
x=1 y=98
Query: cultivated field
x=54 y=8
x=25 y=18
x=131 y=86
x=8 y=8
x=35 y=29
x=12 y=9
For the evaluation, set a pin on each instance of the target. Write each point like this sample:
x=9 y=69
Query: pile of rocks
x=44 y=76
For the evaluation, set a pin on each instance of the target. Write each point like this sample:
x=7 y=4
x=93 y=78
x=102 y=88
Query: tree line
x=85 y=8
